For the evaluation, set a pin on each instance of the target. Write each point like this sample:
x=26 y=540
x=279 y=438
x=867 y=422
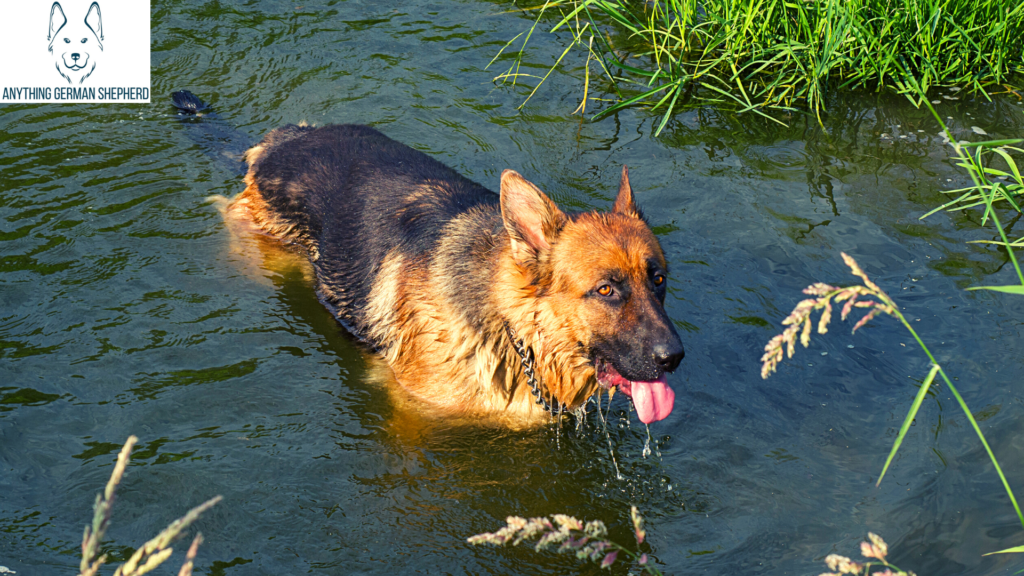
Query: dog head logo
x=76 y=43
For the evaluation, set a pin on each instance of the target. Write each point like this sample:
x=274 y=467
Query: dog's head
x=76 y=44
x=599 y=281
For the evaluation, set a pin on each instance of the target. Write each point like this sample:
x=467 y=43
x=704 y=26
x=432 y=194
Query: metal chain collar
x=526 y=357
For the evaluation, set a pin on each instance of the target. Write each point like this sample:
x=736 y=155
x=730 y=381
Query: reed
x=152 y=553
x=868 y=296
x=758 y=55
x=874 y=550
x=588 y=541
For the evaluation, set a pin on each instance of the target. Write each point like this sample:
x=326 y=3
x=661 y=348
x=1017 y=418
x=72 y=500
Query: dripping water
x=604 y=424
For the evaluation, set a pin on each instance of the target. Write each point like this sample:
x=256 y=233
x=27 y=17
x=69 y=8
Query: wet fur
x=426 y=266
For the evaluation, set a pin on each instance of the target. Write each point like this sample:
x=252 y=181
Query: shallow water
x=123 y=311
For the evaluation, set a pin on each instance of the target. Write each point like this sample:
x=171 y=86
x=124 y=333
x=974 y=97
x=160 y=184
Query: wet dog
x=76 y=44
x=484 y=305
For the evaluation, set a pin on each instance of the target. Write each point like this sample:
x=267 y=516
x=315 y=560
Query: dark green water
x=122 y=311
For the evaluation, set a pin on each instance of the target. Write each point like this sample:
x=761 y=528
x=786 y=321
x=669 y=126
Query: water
x=123 y=311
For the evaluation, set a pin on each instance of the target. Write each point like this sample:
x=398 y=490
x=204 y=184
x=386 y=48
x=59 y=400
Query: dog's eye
x=605 y=290
x=67 y=41
x=83 y=40
x=659 y=279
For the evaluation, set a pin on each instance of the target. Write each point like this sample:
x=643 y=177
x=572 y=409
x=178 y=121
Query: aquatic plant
x=588 y=541
x=799 y=321
x=152 y=553
x=873 y=548
x=779 y=54
x=989 y=186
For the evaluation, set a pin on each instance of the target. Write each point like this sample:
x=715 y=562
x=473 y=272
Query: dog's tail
x=187 y=103
x=217 y=138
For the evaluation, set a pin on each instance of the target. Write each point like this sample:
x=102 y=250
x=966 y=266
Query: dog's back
x=358 y=201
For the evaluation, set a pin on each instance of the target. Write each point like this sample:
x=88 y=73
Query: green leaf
x=581 y=6
x=910 y=418
x=1014 y=550
x=992 y=143
x=1012 y=289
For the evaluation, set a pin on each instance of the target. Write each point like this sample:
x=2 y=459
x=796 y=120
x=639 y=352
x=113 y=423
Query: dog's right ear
x=531 y=218
x=57 y=21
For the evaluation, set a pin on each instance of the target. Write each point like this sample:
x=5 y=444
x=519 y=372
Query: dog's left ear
x=94 y=20
x=531 y=218
x=624 y=203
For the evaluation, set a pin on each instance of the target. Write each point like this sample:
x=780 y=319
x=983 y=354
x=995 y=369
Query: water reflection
x=127 y=307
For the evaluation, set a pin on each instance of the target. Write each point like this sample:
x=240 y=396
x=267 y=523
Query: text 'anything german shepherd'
x=471 y=297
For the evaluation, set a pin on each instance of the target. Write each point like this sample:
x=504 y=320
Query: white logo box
x=75 y=51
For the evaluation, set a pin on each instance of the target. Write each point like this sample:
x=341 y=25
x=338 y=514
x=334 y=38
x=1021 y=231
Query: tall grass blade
x=1015 y=549
x=507 y=44
x=1010 y=289
x=909 y=419
x=552 y=69
x=992 y=143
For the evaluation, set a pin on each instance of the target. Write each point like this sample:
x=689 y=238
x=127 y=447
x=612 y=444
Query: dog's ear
x=624 y=203
x=94 y=20
x=531 y=218
x=57 y=21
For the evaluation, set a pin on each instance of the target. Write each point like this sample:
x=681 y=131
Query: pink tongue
x=653 y=400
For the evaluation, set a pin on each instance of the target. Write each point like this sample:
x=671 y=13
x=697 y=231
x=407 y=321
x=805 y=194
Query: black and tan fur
x=426 y=266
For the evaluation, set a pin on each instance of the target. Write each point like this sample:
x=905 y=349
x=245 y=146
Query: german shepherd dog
x=485 y=306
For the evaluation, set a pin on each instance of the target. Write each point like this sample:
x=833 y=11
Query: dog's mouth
x=653 y=399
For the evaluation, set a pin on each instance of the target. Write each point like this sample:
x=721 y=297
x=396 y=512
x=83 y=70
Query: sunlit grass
x=756 y=55
x=566 y=534
x=990 y=186
x=152 y=553
x=874 y=549
x=868 y=296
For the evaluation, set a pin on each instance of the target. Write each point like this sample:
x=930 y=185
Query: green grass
x=799 y=325
x=757 y=55
x=990 y=185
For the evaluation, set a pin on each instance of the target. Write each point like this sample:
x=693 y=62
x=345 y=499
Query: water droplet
x=849 y=345
x=824 y=353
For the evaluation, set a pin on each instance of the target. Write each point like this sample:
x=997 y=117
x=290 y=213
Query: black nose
x=668 y=355
x=75 y=56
